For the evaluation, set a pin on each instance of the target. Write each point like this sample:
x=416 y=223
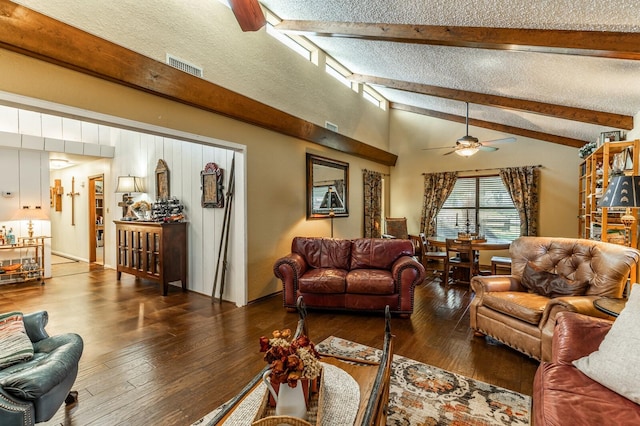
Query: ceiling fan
x=467 y=145
x=248 y=14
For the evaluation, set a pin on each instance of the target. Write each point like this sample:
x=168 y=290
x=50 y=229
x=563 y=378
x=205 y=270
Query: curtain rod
x=383 y=174
x=484 y=170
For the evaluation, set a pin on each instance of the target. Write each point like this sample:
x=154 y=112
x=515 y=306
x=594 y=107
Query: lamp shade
x=26 y=213
x=129 y=184
x=623 y=191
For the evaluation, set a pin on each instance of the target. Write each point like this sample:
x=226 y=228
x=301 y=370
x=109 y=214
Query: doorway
x=96 y=219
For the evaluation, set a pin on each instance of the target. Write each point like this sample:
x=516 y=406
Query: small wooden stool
x=500 y=262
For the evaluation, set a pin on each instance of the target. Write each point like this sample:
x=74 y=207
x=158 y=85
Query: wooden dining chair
x=433 y=259
x=396 y=227
x=461 y=260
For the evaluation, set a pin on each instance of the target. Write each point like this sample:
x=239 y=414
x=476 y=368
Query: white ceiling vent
x=329 y=125
x=184 y=66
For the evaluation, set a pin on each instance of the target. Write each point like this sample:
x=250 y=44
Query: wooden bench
x=500 y=262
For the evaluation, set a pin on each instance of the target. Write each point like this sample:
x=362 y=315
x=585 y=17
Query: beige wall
x=411 y=132
x=276 y=179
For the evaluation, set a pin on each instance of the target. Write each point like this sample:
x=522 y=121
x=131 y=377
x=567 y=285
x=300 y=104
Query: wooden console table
x=152 y=250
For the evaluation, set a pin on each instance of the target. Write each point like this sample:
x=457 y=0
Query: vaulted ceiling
x=561 y=71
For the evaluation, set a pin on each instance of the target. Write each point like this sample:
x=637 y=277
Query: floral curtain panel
x=437 y=188
x=522 y=184
x=372 y=204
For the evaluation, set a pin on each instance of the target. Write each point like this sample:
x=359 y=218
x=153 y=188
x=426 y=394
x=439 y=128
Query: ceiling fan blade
x=248 y=14
x=439 y=147
x=488 y=148
x=450 y=152
x=503 y=140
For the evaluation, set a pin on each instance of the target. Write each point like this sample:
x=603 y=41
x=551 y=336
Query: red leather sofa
x=364 y=274
x=562 y=394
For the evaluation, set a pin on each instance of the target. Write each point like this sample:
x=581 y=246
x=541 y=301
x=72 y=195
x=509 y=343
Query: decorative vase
x=289 y=401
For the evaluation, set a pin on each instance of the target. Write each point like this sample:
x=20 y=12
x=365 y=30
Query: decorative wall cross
x=73 y=196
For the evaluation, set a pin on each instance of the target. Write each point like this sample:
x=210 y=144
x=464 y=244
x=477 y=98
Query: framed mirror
x=211 y=179
x=162 y=180
x=327 y=187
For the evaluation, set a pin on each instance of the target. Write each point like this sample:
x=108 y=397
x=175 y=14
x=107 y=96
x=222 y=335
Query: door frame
x=92 y=217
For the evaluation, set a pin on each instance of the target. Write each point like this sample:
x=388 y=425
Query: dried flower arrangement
x=290 y=360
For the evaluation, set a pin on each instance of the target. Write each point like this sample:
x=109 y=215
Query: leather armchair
x=564 y=395
x=506 y=310
x=33 y=391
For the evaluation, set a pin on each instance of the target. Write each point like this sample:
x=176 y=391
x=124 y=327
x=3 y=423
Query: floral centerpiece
x=292 y=360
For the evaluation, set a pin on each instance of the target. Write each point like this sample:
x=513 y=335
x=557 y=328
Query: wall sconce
x=26 y=213
x=126 y=186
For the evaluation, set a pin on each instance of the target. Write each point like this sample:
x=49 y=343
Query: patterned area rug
x=423 y=395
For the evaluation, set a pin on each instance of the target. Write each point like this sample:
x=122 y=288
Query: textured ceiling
x=601 y=84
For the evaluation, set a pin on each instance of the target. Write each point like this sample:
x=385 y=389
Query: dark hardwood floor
x=153 y=360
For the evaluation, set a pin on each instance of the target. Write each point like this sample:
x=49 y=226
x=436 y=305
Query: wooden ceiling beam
x=616 y=121
x=33 y=34
x=576 y=143
x=603 y=44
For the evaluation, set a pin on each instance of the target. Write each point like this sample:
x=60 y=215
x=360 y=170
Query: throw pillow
x=16 y=345
x=616 y=363
x=551 y=285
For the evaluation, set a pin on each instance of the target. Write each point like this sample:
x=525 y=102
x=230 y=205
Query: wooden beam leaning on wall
x=33 y=34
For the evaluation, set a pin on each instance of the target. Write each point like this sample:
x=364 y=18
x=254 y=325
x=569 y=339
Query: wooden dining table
x=476 y=245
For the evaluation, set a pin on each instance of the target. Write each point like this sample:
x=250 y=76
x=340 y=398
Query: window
x=293 y=42
x=484 y=200
x=374 y=97
x=337 y=71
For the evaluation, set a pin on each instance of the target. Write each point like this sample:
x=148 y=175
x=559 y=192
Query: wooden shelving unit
x=595 y=171
x=31 y=250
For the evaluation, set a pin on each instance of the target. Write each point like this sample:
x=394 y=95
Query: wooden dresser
x=152 y=250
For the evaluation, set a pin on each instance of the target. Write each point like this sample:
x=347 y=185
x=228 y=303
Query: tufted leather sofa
x=562 y=394
x=364 y=274
x=33 y=391
x=505 y=310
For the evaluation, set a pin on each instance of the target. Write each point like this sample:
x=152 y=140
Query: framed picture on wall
x=613 y=136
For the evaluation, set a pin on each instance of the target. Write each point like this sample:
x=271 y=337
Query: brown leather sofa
x=506 y=310
x=564 y=395
x=364 y=274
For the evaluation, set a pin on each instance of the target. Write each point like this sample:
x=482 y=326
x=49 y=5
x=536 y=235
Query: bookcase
x=594 y=175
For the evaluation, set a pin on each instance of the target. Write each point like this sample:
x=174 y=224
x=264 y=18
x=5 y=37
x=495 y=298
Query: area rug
x=423 y=395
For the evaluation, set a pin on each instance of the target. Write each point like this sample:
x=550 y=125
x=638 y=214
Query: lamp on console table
x=623 y=191
x=128 y=185
x=30 y=214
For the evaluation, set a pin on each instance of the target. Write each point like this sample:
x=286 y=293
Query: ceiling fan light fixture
x=467 y=151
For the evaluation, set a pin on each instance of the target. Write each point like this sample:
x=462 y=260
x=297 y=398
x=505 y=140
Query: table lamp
x=128 y=185
x=30 y=214
x=623 y=191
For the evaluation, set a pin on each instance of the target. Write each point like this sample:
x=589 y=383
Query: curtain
x=437 y=187
x=372 y=204
x=522 y=184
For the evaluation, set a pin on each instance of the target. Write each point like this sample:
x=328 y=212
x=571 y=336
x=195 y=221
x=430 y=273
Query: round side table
x=610 y=306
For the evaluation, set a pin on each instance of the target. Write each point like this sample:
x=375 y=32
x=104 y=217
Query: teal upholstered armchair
x=37 y=373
